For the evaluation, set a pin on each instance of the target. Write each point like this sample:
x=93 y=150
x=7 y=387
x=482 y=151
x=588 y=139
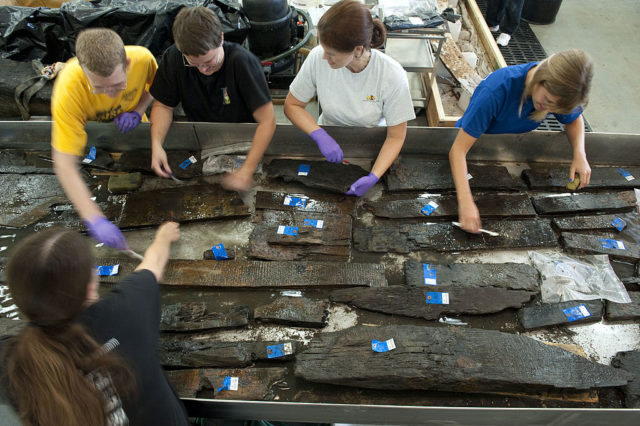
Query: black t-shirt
x=229 y=95
x=131 y=315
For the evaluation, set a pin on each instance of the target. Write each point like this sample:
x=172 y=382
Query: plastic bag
x=566 y=278
x=405 y=14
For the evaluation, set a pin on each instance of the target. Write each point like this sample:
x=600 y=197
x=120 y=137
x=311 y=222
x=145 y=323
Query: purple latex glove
x=127 y=121
x=106 y=232
x=362 y=185
x=328 y=146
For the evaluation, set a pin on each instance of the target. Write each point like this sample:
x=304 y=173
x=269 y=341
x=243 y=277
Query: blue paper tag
x=315 y=223
x=295 y=201
x=577 y=312
x=429 y=208
x=287 y=230
x=625 y=174
x=229 y=383
x=91 y=156
x=189 y=161
x=219 y=253
x=108 y=270
x=429 y=272
x=303 y=170
x=386 y=346
x=436 y=298
x=612 y=244
x=276 y=351
x=618 y=223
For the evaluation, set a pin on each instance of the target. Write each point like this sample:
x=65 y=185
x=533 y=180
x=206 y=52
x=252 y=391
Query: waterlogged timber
x=196 y=316
x=294 y=312
x=321 y=175
x=584 y=203
x=557 y=177
x=550 y=314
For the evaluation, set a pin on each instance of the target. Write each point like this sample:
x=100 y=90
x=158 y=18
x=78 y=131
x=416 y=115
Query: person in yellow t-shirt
x=106 y=81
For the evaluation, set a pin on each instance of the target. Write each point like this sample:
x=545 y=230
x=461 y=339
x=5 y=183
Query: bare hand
x=469 y=217
x=237 y=181
x=168 y=231
x=159 y=162
x=580 y=165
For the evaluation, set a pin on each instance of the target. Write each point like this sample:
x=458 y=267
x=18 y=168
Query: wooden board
x=294 y=312
x=316 y=202
x=485 y=37
x=549 y=314
x=405 y=238
x=630 y=361
x=601 y=177
x=624 y=311
x=21 y=162
x=448 y=359
x=515 y=276
x=412 y=301
x=399 y=206
x=253 y=383
x=192 y=316
x=139 y=160
x=584 y=202
x=212 y=273
x=591 y=244
x=583 y=223
x=28 y=198
x=322 y=175
x=417 y=174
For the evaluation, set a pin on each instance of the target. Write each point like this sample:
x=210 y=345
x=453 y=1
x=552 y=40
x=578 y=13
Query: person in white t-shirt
x=356 y=86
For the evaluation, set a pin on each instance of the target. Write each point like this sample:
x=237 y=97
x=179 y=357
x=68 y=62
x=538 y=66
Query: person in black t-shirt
x=216 y=81
x=84 y=361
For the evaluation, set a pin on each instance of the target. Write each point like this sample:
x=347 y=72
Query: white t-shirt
x=377 y=96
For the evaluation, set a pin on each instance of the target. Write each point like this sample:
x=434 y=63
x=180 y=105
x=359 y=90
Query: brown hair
x=565 y=74
x=197 y=30
x=48 y=274
x=348 y=24
x=100 y=50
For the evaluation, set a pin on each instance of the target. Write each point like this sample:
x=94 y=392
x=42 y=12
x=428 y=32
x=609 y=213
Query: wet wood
x=585 y=202
x=199 y=351
x=601 y=177
x=255 y=384
x=139 y=160
x=550 y=314
x=23 y=162
x=630 y=361
x=405 y=238
x=27 y=199
x=585 y=223
x=448 y=359
x=624 y=311
x=399 y=206
x=255 y=274
x=322 y=175
x=316 y=202
x=591 y=244
x=192 y=316
x=411 y=301
x=514 y=276
x=124 y=183
x=10 y=327
x=15 y=73
x=416 y=174
x=294 y=312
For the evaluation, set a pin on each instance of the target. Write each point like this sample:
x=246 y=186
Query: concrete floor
x=610 y=32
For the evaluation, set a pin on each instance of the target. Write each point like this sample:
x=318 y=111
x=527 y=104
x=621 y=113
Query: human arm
x=157 y=255
x=580 y=165
x=161 y=118
x=242 y=179
x=468 y=214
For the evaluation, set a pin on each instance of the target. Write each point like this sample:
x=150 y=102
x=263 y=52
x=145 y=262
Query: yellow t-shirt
x=73 y=104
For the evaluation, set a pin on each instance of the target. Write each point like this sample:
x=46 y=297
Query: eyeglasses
x=211 y=63
x=109 y=89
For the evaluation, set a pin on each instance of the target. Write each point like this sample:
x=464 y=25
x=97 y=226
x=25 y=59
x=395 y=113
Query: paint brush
x=493 y=234
x=133 y=254
x=175 y=179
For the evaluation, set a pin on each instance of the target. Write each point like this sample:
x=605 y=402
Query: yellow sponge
x=572 y=186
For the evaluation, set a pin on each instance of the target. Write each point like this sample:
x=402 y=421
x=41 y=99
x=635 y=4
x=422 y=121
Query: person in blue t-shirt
x=516 y=99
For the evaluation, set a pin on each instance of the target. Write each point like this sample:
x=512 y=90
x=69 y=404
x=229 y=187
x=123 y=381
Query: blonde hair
x=100 y=50
x=566 y=75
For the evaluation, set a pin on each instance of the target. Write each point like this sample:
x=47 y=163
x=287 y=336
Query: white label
x=584 y=311
x=620 y=245
x=629 y=178
x=391 y=345
x=469 y=177
x=288 y=350
x=415 y=20
x=193 y=159
x=233 y=384
x=445 y=298
x=430 y=281
x=433 y=204
x=281 y=229
x=320 y=224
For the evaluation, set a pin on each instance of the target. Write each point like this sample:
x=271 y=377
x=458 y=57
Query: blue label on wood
x=618 y=223
x=295 y=201
x=612 y=244
x=386 y=346
x=577 y=312
x=108 y=270
x=276 y=351
x=91 y=156
x=219 y=253
x=436 y=298
x=303 y=170
x=429 y=208
x=429 y=272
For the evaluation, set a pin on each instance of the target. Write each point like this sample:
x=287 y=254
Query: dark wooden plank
x=321 y=175
x=601 y=177
x=183 y=204
x=259 y=248
x=490 y=205
x=585 y=202
x=28 y=198
x=213 y=273
x=624 y=311
x=585 y=223
x=294 y=311
x=208 y=254
x=254 y=384
x=550 y=314
x=317 y=202
x=591 y=244
x=405 y=238
x=139 y=160
x=191 y=316
x=418 y=174
x=515 y=276
x=411 y=301
x=448 y=359
x=630 y=361
x=21 y=162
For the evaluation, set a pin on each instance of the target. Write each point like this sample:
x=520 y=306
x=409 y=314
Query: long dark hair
x=348 y=24
x=48 y=274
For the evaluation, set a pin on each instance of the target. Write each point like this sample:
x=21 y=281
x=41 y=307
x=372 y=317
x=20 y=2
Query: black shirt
x=229 y=95
x=131 y=314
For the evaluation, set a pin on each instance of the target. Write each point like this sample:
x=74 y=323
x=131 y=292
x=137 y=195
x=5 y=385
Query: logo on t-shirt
x=225 y=96
x=371 y=98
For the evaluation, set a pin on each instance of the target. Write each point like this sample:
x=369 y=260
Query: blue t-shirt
x=495 y=104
